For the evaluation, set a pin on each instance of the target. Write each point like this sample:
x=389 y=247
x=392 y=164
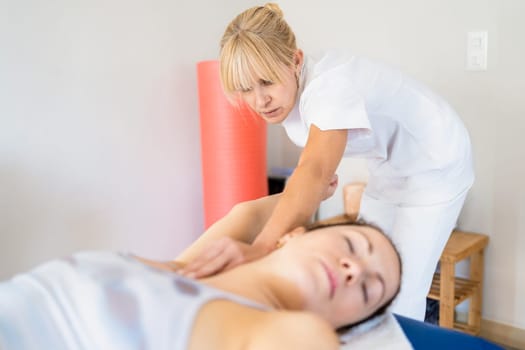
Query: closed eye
x=266 y=82
x=349 y=244
x=365 y=292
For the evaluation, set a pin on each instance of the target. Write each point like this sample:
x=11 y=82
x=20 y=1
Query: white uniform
x=418 y=154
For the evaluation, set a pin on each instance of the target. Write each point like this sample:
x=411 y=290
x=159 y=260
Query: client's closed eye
x=349 y=244
x=374 y=287
x=365 y=292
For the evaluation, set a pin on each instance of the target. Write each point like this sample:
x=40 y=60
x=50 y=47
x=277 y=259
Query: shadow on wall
x=41 y=220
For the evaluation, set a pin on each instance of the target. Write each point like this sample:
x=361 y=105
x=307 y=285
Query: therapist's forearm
x=300 y=199
x=243 y=222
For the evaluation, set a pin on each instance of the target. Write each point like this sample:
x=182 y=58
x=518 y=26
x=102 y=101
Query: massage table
x=394 y=332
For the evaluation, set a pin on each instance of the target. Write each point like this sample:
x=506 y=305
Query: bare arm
x=227 y=243
x=293 y=330
x=243 y=222
x=223 y=324
x=304 y=189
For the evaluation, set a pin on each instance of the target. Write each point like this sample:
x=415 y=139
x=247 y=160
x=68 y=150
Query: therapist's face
x=344 y=273
x=273 y=101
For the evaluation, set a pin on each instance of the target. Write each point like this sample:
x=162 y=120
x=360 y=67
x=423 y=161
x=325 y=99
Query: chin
x=274 y=121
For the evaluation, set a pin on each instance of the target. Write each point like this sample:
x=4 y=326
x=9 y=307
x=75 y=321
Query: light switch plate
x=477 y=50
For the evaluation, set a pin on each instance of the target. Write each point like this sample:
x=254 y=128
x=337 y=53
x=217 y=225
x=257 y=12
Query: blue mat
x=426 y=336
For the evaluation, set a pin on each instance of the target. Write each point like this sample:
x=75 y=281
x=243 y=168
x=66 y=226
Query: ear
x=298 y=59
x=298 y=231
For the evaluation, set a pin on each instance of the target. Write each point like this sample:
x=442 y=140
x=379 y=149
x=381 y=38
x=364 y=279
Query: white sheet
x=382 y=333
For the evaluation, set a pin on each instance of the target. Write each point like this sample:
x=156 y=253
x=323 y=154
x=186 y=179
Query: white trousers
x=420 y=234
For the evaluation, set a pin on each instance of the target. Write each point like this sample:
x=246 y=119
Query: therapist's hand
x=220 y=255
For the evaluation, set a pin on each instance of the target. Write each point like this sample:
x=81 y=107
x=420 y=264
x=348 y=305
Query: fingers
x=207 y=263
x=216 y=257
x=208 y=268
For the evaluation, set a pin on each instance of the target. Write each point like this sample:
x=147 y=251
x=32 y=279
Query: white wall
x=99 y=130
x=99 y=125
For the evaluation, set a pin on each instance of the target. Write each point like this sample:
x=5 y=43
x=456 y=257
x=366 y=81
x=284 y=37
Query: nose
x=262 y=98
x=352 y=269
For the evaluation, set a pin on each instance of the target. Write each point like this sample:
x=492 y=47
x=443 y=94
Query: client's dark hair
x=344 y=219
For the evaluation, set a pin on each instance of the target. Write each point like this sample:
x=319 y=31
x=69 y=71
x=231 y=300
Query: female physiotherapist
x=338 y=105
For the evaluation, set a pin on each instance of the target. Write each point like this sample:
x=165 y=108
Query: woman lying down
x=337 y=274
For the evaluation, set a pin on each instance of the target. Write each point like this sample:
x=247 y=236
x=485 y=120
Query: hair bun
x=272 y=6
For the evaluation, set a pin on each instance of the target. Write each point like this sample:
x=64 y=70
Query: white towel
x=382 y=332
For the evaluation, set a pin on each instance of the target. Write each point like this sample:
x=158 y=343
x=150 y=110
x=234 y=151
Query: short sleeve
x=330 y=102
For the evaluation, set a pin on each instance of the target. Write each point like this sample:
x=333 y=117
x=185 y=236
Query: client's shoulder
x=294 y=330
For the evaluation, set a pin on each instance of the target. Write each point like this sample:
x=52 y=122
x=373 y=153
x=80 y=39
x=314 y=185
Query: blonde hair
x=257 y=44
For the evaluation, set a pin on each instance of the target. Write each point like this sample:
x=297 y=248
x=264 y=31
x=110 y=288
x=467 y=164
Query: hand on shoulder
x=219 y=255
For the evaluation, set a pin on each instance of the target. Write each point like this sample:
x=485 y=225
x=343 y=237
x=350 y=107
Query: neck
x=254 y=282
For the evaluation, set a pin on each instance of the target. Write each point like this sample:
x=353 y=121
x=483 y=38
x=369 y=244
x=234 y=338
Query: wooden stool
x=451 y=290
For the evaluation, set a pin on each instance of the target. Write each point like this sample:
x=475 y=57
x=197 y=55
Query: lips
x=331 y=279
x=271 y=113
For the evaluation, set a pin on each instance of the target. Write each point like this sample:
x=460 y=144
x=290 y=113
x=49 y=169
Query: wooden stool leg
x=446 y=303
x=476 y=274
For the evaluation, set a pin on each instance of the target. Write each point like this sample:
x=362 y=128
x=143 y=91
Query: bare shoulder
x=294 y=330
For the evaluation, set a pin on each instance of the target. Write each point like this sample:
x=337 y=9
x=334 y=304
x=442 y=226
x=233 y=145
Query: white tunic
x=417 y=148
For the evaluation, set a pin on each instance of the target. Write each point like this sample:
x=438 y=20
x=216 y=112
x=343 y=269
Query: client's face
x=344 y=273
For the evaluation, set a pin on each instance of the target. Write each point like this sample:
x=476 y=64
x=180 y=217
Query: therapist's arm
x=242 y=223
x=306 y=186
x=312 y=181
